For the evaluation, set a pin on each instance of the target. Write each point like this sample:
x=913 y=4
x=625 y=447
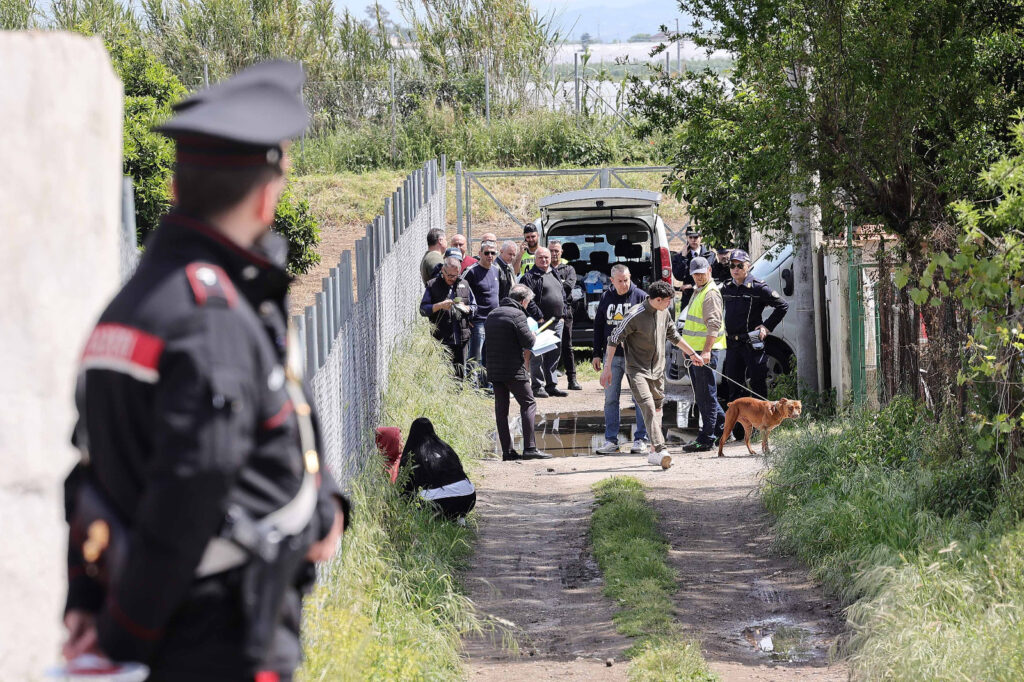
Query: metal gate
x=465 y=179
x=864 y=324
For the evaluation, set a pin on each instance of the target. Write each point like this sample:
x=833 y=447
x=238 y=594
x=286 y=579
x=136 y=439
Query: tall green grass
x=632 y=555
x=391 y=607
x=900 y=517
x=537 y=138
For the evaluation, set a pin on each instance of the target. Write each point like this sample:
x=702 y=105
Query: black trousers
x=460 y=355
x=523 y=394
x=568 y=359
x=453 y=508
x=747 y=367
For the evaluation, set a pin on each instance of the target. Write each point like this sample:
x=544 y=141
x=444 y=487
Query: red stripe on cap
x=267 y=676
x=119 y=347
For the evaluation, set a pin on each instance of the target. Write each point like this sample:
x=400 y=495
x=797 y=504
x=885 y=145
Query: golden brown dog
x=757 y=414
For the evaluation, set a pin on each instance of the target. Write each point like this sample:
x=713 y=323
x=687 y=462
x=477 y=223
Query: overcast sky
x=609 y=19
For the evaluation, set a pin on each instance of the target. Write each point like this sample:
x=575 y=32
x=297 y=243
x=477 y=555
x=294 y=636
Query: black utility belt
x=751 y=337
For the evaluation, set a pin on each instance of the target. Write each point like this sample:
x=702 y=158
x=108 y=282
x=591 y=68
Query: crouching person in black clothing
x=449 y=304
x=437 y=475
x=507 y=356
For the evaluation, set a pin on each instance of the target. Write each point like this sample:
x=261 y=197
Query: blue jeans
x=612 y=394
x=712 y=416
x=476 y=350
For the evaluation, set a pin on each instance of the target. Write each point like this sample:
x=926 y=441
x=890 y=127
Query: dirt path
x=532 y=568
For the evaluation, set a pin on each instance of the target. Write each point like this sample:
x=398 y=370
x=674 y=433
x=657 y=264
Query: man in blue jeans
x=614 y=304
x=704 y=331
x=483 y=277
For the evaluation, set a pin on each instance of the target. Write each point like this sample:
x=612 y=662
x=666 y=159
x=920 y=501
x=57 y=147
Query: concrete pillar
x=60 y=198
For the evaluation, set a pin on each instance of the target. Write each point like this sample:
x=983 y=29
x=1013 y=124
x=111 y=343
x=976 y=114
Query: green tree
x=17 y=15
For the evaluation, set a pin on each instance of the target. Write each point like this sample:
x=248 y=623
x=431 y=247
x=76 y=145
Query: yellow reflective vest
x=695 y=332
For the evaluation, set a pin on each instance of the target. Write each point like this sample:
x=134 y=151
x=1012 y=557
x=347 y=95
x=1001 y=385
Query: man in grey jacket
x=643 y=333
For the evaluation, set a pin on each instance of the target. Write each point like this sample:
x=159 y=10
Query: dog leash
x=689 y=363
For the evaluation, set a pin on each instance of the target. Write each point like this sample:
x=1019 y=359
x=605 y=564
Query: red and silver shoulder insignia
x=210 y=283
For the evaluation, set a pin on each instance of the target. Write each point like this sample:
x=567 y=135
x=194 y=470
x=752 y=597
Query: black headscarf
x=434 y=462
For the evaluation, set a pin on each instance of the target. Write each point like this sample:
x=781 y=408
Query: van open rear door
x=610 y=202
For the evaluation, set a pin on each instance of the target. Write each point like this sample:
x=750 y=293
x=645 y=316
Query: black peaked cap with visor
x=242 y=121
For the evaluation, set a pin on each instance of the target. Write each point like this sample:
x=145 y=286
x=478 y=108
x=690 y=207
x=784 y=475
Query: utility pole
x=805 y=221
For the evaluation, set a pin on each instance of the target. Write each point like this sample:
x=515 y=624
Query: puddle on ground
x=578 y=433
x=784 y=643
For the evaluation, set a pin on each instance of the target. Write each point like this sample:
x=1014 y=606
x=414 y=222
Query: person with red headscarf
x=389 y=443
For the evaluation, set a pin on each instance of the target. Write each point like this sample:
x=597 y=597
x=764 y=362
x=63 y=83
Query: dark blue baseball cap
x=740 y=255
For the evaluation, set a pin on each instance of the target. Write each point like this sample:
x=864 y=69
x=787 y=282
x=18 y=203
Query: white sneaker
x=639 y=447
x=661 y=459
x=609 y=448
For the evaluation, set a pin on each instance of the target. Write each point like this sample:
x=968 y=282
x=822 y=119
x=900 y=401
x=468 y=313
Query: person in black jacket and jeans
x=449 y=304
x=566 y=273
x=506 y=355
x=548 y=304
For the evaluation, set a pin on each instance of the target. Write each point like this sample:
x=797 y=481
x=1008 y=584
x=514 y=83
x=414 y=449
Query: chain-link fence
x=349 y=336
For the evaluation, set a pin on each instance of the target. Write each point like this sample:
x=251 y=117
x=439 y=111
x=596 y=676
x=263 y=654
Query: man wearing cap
x=681 y=263
x=527 y=250
x=201 y=501
x=703 y=331
x=644 y=331
x=745 y=299
x=720 y=268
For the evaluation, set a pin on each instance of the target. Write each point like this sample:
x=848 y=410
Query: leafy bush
x=299 y=226
x=149 y=90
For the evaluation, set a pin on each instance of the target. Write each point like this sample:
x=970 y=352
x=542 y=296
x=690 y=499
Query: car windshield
x=770 y=260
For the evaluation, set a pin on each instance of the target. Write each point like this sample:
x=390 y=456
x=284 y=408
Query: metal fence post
x=606 y=178
x=487 y=86
x=458 y=197
x=396 y=215
x=576 y=78
x=335 y=304
x=321 y=329
x=469 y=214
x=444 y=164
x=299 y=322
x=346 y=285
x=311 y=341
x=328 y=292
x=388 y=224
x=394 y=118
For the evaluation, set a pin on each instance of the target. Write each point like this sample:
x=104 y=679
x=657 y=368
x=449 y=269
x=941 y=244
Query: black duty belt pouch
x=274 y=562
x=755 y=340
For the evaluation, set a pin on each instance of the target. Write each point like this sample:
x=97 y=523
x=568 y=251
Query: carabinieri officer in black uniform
x=201 y=502
x=745 y=299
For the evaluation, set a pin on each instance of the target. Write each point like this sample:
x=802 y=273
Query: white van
x=775 y=267
x=599 y=228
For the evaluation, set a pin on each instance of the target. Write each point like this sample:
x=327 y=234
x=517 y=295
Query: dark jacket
x=567 y=275
x=548 y=293
x=506 y=278
x=508 y=335
x=184 y=412
x=681 y=268
x=453 y=326
x=720 y=272
x=485 y=283
x=434 y=463
x=611 y=310
x=744 y=306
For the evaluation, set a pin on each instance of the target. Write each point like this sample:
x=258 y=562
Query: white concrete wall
x=60 y=184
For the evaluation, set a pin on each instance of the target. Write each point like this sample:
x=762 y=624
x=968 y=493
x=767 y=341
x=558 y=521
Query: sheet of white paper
x=546 y=341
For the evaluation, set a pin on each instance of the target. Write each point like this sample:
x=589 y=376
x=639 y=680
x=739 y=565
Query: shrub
x=294 y=221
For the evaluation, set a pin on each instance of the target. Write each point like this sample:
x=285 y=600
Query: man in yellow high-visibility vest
x=705 y=332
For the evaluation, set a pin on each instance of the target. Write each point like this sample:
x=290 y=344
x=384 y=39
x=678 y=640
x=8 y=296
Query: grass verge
x=632 y=555
x=903 y=519
x=392 y=607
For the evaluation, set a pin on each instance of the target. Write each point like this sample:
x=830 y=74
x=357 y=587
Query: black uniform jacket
x=745 y=304
x=566 y=274
x=548 y=293
x=182 y=411
x=508 y=335
x=452 y=327
x=681 y=263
